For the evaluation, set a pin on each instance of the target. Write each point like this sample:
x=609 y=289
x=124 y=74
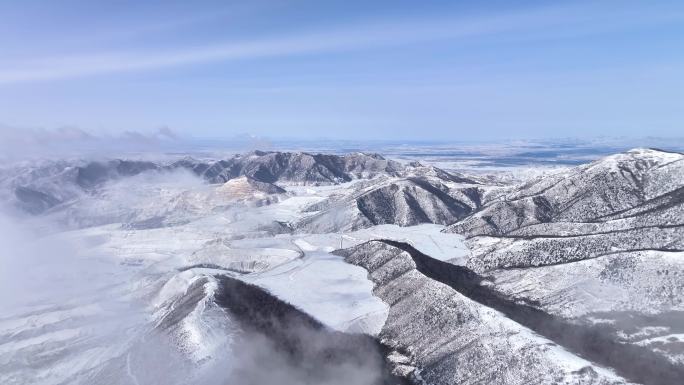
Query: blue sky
x=428 y=70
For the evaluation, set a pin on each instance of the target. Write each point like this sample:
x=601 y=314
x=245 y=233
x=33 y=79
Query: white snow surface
x=147 y=270
x=145 y=244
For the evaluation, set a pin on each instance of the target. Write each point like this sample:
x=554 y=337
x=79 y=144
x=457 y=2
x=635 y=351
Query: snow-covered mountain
x=601 y=243
x=296 y=167
x=640 y=182
x=447 y=334
x=293 y=268
x=401 y=201
x=38 y=188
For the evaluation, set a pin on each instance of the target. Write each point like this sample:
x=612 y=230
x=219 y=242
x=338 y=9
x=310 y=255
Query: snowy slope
x=591 y=249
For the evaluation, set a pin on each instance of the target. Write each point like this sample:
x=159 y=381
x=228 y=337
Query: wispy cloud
x=23 y=143
x=356 y=37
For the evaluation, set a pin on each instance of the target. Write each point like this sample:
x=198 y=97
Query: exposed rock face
x=452 y=338
x=404 y=202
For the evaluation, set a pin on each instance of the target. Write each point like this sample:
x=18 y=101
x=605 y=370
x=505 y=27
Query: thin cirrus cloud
x=25 y=143
x=350 y=38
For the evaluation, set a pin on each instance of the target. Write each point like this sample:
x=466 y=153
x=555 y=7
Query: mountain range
x=574 y=277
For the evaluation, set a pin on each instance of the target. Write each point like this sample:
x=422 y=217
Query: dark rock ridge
x=299 y=349
x=95 y=173
x=404 y=202
x=297 y=167
x=439 y=315
x=412 y=201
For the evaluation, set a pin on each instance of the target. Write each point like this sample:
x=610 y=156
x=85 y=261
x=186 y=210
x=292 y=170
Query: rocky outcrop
x=404 y=202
